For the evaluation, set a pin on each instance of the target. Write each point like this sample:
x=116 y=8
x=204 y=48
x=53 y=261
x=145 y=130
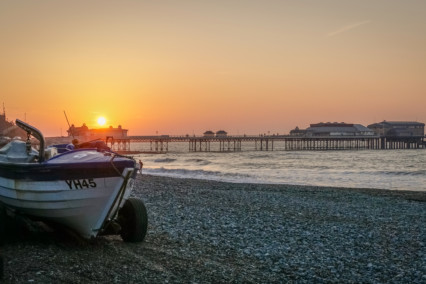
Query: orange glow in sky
x=184 y=67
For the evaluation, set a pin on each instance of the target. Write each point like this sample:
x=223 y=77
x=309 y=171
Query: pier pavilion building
x=399 y=128
x=209 y=133
x=102 y=133
x=334 y=129
x=298 y=132
x=221 y=133
x=115 y=138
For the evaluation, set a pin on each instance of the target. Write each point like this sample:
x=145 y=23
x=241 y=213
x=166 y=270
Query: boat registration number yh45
x=81 y=183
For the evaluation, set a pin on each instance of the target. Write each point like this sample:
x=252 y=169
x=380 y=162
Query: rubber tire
x=133 y=220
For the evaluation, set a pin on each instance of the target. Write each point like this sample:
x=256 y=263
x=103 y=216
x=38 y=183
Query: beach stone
x=208 y=232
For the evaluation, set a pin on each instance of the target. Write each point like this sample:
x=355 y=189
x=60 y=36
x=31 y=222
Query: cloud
x=347 y=28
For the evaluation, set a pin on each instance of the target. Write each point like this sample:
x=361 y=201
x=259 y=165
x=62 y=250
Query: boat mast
x=69 y=126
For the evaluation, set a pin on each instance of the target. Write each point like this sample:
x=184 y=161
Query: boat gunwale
x=48 y=170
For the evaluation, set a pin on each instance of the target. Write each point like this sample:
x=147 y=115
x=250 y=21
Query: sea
x=383 y=169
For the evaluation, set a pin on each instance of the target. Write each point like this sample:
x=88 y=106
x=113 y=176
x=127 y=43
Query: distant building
x=8 y=128
x=221 y=133
x=209 y=133
x=78 y=131
x=4 y=124
x=338 y=129
x=118 y=132
x=398 y=128
x=85 y=132
x=298 y=132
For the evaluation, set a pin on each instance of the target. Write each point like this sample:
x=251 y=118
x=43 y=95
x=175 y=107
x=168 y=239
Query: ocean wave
x=259 y=156
x=198 y=161
x=165 y=160
x=201 y=174
x=402 y=170
x=397 y=173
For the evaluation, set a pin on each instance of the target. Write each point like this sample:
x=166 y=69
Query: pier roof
x=339 y=129
x=396 y=124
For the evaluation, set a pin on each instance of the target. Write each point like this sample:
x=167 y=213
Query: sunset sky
x=184 y=67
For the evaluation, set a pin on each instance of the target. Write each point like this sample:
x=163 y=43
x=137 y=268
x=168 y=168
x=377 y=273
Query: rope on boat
x=116 y=203
x=140 y=164
x=119 y=198
x=114 y=167
x=123 y=156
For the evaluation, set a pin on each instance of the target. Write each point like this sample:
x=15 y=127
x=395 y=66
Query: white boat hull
x=82 y=188
x=82 y=205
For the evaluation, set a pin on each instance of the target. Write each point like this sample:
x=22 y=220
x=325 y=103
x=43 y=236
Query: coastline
x=415 y=195
x=208 y=231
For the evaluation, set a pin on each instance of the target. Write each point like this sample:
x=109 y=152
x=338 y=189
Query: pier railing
x=282 y=142
x=160 y=144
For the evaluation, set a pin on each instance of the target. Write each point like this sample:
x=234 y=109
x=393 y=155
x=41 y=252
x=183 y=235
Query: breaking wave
x=402 y=170
x=198 y=161
x=165 y=160
x=202 y=174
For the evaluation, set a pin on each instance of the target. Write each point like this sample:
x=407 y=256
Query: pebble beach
x=214 y=232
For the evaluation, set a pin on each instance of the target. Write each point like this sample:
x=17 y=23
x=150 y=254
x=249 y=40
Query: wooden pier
x=160 y=144
x=119 y=145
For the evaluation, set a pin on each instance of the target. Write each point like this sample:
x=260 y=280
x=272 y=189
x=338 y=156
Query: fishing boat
x=86 y=190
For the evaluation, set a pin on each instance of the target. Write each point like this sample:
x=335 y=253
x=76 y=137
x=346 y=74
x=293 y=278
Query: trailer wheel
x=133 y=220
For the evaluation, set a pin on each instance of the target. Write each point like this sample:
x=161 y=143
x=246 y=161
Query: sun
x=101 y=121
